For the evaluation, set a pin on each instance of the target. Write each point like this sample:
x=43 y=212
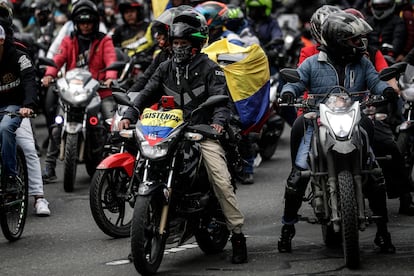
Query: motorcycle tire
x=267 y=151
x=90 y=166
x=147 y=244
x=70 y=162
x=13 y=212
x=107 y=198
x=212 y=236
x=349 y=219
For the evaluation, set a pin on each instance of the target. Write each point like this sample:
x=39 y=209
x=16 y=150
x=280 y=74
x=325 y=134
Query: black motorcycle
x=175 y=200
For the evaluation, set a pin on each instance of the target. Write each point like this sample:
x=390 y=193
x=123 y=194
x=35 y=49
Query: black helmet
x=6 y=17
x=85 y=11
x=129 y=4
x=318 y=17
x=342 y=35
x=190 y=25
x=382 y=8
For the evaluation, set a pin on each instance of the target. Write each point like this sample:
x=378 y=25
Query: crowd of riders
x=93 y=35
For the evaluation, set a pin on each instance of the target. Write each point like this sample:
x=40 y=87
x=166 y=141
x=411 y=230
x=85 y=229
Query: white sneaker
x=42 y=207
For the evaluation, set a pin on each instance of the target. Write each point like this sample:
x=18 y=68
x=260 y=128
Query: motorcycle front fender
x=124 y=160
x=148 y=188
x=73 y=127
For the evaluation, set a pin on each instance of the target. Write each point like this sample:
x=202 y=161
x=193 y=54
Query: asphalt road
x=69 y=242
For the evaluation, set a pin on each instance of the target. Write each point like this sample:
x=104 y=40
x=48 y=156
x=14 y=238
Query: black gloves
x=288 y=97
x=390 y=94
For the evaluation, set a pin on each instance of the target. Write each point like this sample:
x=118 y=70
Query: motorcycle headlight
x=156 y=151
x=342 y=123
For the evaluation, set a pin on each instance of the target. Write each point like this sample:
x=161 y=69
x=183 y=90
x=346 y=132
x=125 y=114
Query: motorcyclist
x=87 y=48
x=134 y=26
x=215 y=14
x=388 y=28
x=18 y=94
x=188 y=35
x=235 y=21
x=341 y=61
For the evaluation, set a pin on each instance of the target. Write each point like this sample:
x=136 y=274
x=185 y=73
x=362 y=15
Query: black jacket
x=190 y=85
x=390 y=30
x=17 y=78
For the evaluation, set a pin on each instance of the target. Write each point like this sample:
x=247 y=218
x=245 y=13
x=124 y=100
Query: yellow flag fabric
x=248 y=79
x=158 y=7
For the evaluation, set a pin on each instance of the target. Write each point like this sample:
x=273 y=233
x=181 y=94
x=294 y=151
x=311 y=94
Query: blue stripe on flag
x=252 y=109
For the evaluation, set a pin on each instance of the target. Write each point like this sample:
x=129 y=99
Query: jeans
x=8 y=128
x=25 y=140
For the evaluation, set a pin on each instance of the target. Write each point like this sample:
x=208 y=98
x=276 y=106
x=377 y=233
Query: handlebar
x=16 y=114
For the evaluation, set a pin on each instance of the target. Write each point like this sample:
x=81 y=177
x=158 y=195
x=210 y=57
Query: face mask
x=182 y=53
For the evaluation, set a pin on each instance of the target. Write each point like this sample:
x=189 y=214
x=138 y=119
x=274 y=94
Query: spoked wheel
x=108 y=201
x=213 y=234
x=70 y=163
x=13 y=211
x=147 y=244
x=349 y=219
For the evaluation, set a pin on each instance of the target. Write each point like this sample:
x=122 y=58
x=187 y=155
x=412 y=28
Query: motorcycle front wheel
x=349 y=219
x=147 y=244
x=13 y=209
x=108 y=202
x=70 y=162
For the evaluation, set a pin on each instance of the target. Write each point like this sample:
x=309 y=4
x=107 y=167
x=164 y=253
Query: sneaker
x=49 y=174
x=238 y=242
x=42 y=207
x=383 y=241
x=284 y=245
x=247 y=179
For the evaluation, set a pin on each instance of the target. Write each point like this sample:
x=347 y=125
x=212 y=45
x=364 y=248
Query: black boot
x=383 y=241
x=238 y=242
x=406 y=205
x=284 y=245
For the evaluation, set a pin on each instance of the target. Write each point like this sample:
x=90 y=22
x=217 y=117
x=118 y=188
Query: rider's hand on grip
x=124 y=124
x=288 y=97
x=47 y=80
x=390 y=94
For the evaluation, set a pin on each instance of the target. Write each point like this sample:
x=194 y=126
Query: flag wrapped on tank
x=248 y=78
x=157 y=125
x=159 y=6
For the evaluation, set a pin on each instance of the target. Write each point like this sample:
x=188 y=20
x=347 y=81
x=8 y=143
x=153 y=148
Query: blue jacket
x=318 y=75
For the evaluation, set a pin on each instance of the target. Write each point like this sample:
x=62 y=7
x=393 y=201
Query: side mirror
x=116 y=66
x=290 y=75
x=214 y=100
x=393 y=71
x=42 y=61
x=122 y=98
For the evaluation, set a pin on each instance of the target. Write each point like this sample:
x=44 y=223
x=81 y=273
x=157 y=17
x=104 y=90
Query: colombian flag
x=159 y=6
x=248 y=79
x=157 y=125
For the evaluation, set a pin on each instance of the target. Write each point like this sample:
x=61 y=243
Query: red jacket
x=102 y=55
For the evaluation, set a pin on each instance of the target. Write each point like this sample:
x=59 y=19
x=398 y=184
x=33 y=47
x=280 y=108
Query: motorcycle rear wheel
x=349 y=219
x=70 y=162
x=107 y=197
x=13 y=211
x=147 y=245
